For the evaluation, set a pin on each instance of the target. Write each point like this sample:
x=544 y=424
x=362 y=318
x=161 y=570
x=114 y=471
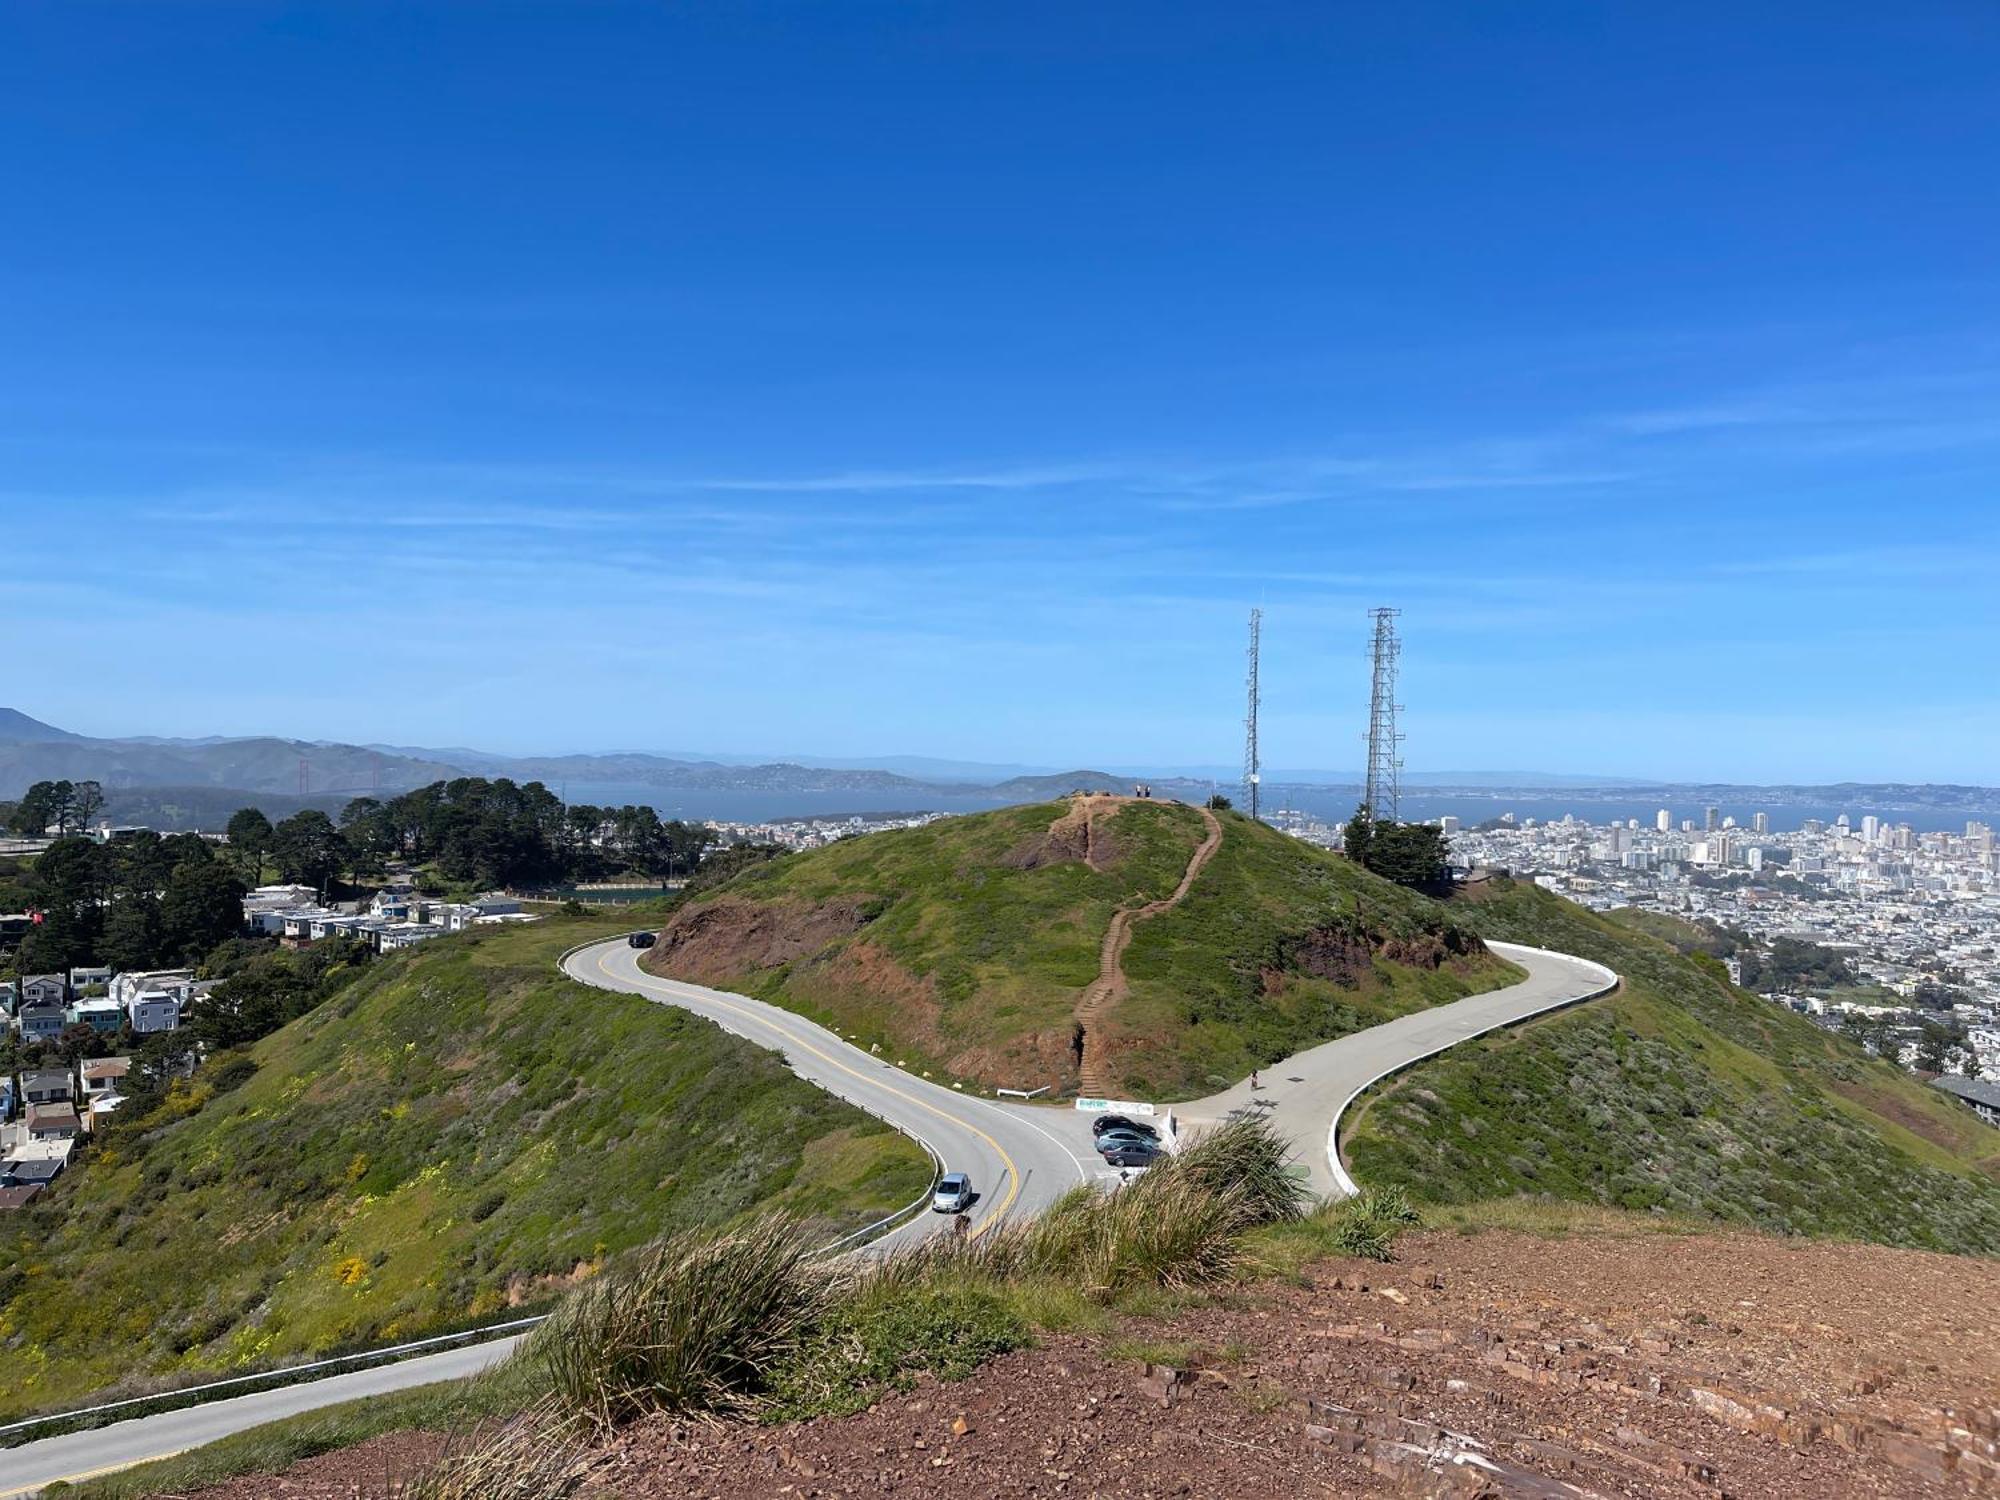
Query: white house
x=80 y=978
x=170 y=981
x=406 y=935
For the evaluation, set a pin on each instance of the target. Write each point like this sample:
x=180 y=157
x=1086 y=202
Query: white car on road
x=953 y=1194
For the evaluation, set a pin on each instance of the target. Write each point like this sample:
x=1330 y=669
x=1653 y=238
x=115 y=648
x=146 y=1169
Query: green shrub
x=884 y=1336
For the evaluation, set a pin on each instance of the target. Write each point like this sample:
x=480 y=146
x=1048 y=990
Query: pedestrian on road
x=1254 y=1085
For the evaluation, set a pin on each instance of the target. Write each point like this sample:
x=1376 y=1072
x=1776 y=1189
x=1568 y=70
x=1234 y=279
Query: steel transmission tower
x=1385 y=765
x=1253 y=767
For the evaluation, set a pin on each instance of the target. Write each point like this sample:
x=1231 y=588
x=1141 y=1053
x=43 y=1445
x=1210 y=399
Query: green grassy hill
x=1681 y=1092
x=458 y=1130
x=963 y=947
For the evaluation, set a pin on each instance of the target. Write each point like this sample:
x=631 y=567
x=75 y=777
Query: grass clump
x=697 y=1323
x=537 y=1455
x=1365 y=1226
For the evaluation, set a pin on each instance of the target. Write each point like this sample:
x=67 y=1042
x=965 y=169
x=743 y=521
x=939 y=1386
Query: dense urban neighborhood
x=1866 y=925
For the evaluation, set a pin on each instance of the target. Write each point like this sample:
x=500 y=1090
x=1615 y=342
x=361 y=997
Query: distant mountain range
x=192 y=780
x=198 y=782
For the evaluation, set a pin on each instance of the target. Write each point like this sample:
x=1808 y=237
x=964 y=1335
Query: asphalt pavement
x=1021 y=1158
x=76 y=1456
x=1305 y=1096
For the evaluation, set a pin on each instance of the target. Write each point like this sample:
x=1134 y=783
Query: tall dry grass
x=696 y=1324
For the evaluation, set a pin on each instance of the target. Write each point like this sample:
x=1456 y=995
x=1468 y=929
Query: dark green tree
x=1411 y=854
x=250 y=840
x=201 y=907
x=86 y=802
x=69 y=889
x=308 y=849
x=1359 y=836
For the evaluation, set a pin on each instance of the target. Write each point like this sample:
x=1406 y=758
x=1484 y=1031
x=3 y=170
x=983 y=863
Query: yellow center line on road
x=1013 y=1172
x=83 y=1474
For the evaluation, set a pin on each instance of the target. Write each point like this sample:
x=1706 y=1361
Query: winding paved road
x=1021 y=1157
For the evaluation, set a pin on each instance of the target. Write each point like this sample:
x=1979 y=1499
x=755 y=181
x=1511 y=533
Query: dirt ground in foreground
x=1498 y=1364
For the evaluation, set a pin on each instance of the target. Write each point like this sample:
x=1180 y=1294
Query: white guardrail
x=1606 y=981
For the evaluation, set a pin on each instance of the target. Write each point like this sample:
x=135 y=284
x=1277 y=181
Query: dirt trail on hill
x=1109 y=986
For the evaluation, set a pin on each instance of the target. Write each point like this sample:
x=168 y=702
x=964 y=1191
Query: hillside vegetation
x=1681 y=1092
x=457 y=1130
x=963 y=947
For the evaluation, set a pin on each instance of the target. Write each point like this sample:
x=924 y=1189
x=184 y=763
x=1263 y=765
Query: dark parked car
x=641 y=939
x=1133 y=1153
x=1103 y=1123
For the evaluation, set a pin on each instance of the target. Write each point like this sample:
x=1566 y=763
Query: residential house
x=390 y=905
x=53 y=1122
x=26 y=1171
x=264 y=908
x=104 y=1077
x=18 y=1197
x=43 y=989
x=47 y=1086
x=40 y=1020
x=405 y=935
x=170 y=981
x=82 y=979
x=1977 y=1094
x=9 y=995
x=152 y=1011
x=103 y=1015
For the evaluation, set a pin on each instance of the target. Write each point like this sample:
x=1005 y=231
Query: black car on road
x=641 y=939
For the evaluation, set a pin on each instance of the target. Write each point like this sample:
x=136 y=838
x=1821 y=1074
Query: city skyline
x=840 y=385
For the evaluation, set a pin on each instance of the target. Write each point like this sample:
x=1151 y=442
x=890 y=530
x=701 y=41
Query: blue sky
x=951 y=379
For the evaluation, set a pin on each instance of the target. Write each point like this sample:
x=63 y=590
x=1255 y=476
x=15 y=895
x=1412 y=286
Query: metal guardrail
x=281 y=1375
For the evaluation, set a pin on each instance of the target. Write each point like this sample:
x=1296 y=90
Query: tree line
x=145 y=901
x=473 y=832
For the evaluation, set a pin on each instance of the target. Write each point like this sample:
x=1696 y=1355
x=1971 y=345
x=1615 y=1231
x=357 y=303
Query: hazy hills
x=172 y=782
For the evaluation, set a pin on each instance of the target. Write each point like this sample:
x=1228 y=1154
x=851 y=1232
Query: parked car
x=641 y=939
x=1103 y=1123
x=953 y=1194
x=1129 y=1153
x=1118 y=1140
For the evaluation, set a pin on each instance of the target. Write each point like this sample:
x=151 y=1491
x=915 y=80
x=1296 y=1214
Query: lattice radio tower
x=1253 y=767
x=1385 y=765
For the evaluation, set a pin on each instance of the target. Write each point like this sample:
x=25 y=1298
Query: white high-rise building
x=1664 y=821
x=1870 y=826
x=1761 y=823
